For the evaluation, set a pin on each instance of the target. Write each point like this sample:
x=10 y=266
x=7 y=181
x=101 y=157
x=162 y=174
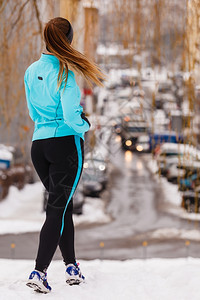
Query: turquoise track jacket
x=54 y=112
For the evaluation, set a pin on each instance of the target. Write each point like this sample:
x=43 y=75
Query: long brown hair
x=55 y=36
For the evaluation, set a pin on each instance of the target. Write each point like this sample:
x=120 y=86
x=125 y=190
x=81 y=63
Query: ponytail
x=58 y=35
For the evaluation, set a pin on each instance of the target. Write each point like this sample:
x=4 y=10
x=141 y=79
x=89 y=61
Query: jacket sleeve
x=71 y=105
x=32 y=112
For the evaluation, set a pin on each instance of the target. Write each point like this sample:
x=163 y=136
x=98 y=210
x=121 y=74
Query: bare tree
x=20 y=44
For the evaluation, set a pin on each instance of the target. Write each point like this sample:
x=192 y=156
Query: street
x=135 y=203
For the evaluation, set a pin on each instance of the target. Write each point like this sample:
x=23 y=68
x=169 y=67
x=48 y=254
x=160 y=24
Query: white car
x=184 y=150
x=174 y=172
x=166 y=163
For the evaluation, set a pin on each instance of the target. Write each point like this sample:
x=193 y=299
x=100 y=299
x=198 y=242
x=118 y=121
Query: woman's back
x=52 y=109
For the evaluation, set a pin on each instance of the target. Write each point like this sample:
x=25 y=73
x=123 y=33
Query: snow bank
x=152 y=166
x=175 y=233
x=93 y=212
x=172 y=197
x=152 y=279
x=21 y=211
x=6 y=152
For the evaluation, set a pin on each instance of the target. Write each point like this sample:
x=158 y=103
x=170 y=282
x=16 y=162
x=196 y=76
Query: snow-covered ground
x=21 y=211
x=152 y=279
x=172 y=196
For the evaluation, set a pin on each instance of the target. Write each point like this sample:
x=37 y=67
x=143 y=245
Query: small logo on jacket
x=40 y=78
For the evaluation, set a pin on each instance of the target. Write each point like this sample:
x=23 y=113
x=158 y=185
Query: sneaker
x=73 y=274
x=38 y=281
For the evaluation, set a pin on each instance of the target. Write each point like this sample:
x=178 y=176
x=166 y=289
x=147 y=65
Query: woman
x=57 y=151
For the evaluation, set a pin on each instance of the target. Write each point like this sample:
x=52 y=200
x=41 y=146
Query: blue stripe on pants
x=78 y=147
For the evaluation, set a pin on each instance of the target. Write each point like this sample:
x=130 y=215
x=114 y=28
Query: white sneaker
x=73 y=274
x=38 y=281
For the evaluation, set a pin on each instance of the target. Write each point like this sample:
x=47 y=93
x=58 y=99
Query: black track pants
x=58 y=162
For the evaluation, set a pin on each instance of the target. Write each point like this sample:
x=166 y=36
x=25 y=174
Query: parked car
x=95 y=176
x=165 y=86
x=165 y=164
x=17 y=175
x=192 y=176
x=174 y=172
x=92 y=185
x=191 y=201
x=189 y=182
x=161 y=99
x=177 y=150
x=78 y=199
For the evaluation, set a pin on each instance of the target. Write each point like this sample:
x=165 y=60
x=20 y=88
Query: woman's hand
x=85 y=118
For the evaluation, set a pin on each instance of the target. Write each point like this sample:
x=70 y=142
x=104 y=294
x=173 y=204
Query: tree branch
x=19 y=15
x=38 y=16
x=2 y=5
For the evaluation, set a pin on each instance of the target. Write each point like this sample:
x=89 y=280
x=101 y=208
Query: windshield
x=95 y=160
x=171 y=154
x=136 y=129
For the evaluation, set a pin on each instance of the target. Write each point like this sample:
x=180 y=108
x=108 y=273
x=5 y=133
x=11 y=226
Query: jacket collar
x=49 y=58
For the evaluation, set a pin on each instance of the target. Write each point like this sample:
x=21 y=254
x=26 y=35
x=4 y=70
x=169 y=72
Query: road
x=135 y=203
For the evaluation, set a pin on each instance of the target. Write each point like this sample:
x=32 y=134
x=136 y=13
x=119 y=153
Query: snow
x=93 y=212
x=93 y=4
x=175 y=233
x=153 y=166
x=185 y=149
x=173 y=198
x=112 y=49
x=170 y=190
x=102 y=94
x=152 y=279
x=176 y=112
x=6 y=152
x=21 y=211
x=160 y=118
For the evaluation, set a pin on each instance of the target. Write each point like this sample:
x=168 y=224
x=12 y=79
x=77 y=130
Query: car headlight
x=85 y=165
x=139 y=148
x=128 y=142
x=102 y=167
